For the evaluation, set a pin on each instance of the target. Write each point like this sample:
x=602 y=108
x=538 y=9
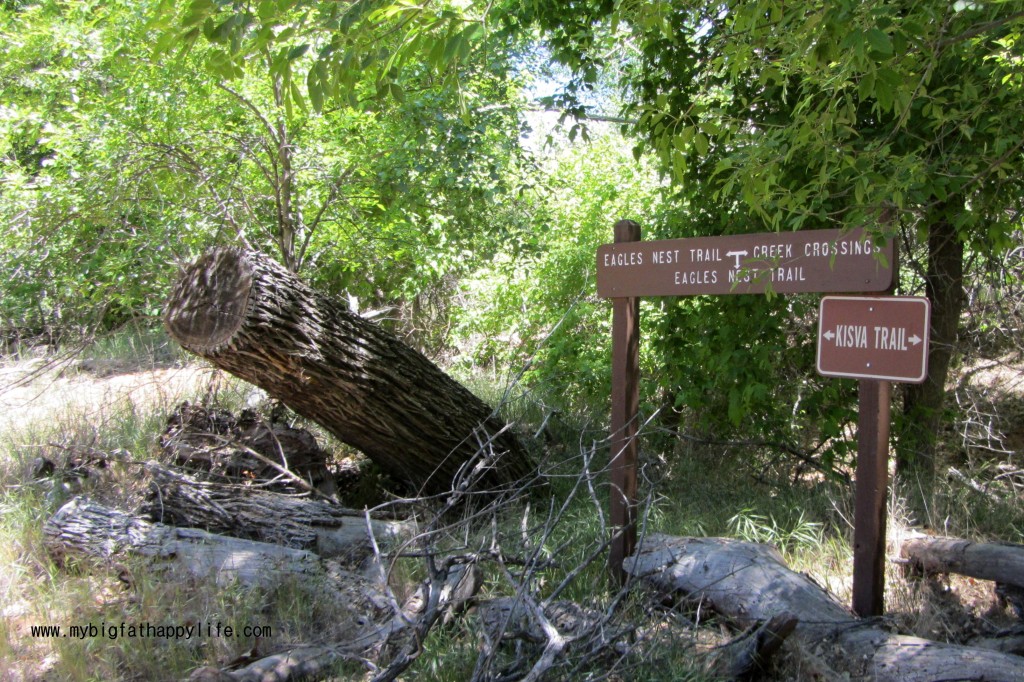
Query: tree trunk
x=922 y=406
x=251 y=317
x=750 y=583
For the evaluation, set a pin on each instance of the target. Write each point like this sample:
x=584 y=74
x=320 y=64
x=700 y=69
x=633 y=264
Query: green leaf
x=700 y=141
x=316 y=91
x=397 y=92
x=879 y=42
x=198 y=11
x=297 y=51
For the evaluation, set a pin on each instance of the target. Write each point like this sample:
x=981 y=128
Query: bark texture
x=246 y=449
x=247 y=512
x=750 y=584
x=1002 y=562
x=85 y=527
x=253 y=318
x=922 y=405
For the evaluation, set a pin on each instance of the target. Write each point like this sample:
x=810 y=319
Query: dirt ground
x=31 y=392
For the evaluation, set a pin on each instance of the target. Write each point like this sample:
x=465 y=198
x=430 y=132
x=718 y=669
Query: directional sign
x=874 y=337
x=827 y=261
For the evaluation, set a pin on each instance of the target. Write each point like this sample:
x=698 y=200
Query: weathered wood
x=253 y=318
x=86 y=527
x=1002 y=562
x=1008 y=642
x=747 y=657
x=510 y=618
x=301 y=663
x=750 y=583
x=245 y=448
x=290 y=520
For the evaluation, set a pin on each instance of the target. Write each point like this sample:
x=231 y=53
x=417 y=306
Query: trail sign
x=874 y=337
x=823 y=261
x=829 y=261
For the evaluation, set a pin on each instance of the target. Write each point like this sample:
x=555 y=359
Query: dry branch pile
x=214 y=512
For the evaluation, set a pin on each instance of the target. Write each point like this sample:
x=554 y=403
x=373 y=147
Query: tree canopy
x=377 y=146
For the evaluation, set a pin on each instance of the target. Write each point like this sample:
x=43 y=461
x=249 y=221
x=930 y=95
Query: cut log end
x=250 y=316
x=210 y=300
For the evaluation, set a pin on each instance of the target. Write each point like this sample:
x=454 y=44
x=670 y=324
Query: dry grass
x=59 y=414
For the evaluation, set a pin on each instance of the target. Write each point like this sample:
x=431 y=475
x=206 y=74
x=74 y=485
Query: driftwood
x=445 y=592
x=249 y=512
x=88 y=528
x=300 y=663
x=1002 y=562
x=378 y=626
x=1008 y=641
x=253 y=318
x=750 y=584
x=749 y=655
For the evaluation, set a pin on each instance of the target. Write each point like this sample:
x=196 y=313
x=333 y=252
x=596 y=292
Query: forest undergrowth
x=60 y=424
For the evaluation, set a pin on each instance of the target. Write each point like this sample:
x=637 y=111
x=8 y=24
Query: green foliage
x=534 y=306
x=768 y=115
x=116 y=167
x=333 y=54
x=801 y=534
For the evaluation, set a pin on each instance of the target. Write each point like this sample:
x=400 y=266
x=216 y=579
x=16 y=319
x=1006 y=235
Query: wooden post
x=871 y=492
x=625 y=406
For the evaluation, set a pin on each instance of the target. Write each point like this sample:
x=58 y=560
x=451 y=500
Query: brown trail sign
x=874 y=337
x=878 y=340
x=824 y=261
x=782 y=262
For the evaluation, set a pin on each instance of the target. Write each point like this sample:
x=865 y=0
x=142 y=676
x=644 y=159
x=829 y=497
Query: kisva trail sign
x=874 y=337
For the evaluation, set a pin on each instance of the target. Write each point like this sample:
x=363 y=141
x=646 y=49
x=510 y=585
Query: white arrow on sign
x=829 y=335
x=915 y=339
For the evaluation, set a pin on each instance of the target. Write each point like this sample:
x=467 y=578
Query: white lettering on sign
x=665 y=257
x=891 y=338
x=850 y=336
x=788 y=275
x=774 y=251
x=885 y=338
x=623 y=258
x=696 y=277
x=840 y=248
x=704 y=255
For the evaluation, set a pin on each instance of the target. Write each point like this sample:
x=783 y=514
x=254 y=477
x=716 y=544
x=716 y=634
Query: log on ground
x=750 y=583
x=299 y=522
x=444 y=593
x=250 y=316
x=86 y=527
x=245 y=448
x=1002 y=562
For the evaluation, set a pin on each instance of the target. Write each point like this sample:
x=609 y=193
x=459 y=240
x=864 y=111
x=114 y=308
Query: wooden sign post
x=625 y=406
x=782 y=262
x=877 y=340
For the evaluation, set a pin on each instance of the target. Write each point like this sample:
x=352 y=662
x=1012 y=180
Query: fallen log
x=1001 y=562
x=1009 y=641
x=243 y=511
x=251 y=317
x=750 y=584
x=85 y=527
